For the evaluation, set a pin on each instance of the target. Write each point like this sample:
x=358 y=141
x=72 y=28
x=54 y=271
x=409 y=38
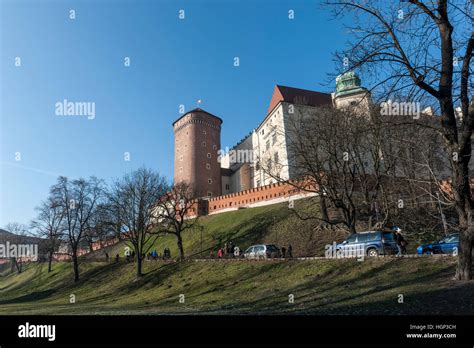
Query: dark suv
x=373 y=242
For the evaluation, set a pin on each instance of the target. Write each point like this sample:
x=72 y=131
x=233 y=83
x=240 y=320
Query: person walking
x=401 y=243
x=220 y=253
x=290 y=251
x=283 y=252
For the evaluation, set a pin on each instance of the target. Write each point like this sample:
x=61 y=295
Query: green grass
x=239 y=287
x=274 y=224
x=242 y=287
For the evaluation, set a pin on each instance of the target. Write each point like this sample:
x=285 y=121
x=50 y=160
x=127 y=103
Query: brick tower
x=197 y=139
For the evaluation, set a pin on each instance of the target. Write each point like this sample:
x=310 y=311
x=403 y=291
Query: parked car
x=446 y=245
x=262 y=251
x=373 y=243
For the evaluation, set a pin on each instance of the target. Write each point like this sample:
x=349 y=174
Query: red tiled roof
x=298 y=96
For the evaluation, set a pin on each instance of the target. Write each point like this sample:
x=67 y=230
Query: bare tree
x=100 y=226
x=49 y=226
x=423 y=49
x=177 y=212
x=19 y=231
x=78 y=200
x=330 y=153
x=136 y=196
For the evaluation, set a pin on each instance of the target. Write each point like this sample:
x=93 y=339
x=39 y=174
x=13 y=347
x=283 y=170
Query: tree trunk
x=464 y=267
x=139 y=265
x=324 y=208
x=180 y=247
x=76 y=266
x=50 y=261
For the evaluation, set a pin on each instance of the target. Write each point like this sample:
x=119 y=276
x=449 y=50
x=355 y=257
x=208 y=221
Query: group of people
x=228 y=250
x=154 y=255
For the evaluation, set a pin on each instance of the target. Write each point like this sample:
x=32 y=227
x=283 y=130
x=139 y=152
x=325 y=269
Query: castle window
x=274 y=138
x=269 y=164
x=276 y=157
x=208 y=155
x=227 y=186
x=214 y=147
x=181 y=157
x=180 y=169
x=203 y=143
x=208 y=166
x=209 y=194
x=209 y=181
x=267 y=146
x=204 y=132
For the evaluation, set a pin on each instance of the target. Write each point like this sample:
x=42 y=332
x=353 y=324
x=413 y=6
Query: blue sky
x=173 y=62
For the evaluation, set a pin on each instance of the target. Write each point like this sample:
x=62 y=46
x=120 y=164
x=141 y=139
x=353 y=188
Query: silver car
x=262 y=251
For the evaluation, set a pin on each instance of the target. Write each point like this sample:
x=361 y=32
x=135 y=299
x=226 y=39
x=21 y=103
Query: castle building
x=200 y=161
x=197 y=139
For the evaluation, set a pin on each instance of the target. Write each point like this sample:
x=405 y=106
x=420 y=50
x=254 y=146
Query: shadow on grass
x=314 y=297
x=34 y=296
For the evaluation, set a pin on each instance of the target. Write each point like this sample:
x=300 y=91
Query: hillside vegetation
x=241 y=287
x=273 y=224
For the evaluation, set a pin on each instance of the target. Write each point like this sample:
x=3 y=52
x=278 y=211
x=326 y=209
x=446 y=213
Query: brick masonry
x=197 y=141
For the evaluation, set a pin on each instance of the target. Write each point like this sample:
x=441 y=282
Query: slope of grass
x=242 y=287
x=274 y=224
x=239 y=287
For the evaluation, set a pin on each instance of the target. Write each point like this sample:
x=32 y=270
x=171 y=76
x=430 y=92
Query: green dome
x=348 y=83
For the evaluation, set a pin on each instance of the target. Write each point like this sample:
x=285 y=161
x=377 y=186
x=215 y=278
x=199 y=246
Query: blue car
x=447 y=245
x=372 y=243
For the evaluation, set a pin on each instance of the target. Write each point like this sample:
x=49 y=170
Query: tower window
x=180 y=169
x=203 y=143
x=209 y=181
x=208 y=155
x=209 y=194
x=214 y=147
x=181 y=157
x=204 y=132
x=227 y=186
x=208 y=166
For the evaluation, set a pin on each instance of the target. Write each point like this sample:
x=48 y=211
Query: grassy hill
x=274 y=224
x=242 y=287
